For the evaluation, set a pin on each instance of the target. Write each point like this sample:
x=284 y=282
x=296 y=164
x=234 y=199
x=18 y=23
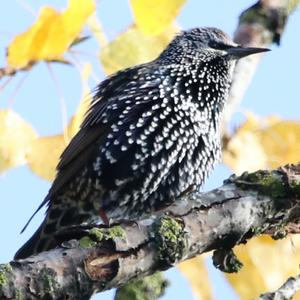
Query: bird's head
x=207 y=43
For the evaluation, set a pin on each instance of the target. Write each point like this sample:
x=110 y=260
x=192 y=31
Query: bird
x=151 y=134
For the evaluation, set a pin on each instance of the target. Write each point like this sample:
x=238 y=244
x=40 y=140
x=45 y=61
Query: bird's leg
x=103 y=217
x=189 y=190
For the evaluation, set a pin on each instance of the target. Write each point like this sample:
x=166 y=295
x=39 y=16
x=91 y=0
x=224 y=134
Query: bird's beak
x=240 y=51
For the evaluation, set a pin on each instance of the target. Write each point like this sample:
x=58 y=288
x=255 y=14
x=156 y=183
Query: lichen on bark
x=96 y=235
x=169 y=234
x=148 y=288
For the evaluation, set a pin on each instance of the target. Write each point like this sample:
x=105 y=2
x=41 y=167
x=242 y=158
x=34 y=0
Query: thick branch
x=103 y=258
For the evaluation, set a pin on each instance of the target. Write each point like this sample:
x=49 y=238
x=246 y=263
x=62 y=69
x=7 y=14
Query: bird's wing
x=97 y=124
x=76 y=155
x=94 y=128
x=117 y=89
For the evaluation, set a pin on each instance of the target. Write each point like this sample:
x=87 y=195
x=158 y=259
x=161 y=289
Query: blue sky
x=274 y=90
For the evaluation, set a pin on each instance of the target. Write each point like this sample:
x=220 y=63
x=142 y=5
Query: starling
x=151 y=135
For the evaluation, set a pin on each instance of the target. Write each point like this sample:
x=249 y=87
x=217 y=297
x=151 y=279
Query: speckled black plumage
x=151 y=134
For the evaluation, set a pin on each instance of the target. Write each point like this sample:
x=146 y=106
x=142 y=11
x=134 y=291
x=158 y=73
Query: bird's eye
x=219 y=45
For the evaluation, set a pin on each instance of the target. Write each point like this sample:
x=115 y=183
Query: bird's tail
x=47 y=237
x=61 y=224
x=37 y=243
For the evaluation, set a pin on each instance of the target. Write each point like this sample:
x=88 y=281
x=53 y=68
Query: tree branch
x=260 y=25
x=286 y=291
x=102 y=258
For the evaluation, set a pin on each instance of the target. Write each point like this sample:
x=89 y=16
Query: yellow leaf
x=133 y=48
x=51 y=35
x=244 y=151
x=16 y=137
x=196 y=273
x=281 y=143
x=267 y=265
x=44 y=155
x=263 y=143
x=154 y=16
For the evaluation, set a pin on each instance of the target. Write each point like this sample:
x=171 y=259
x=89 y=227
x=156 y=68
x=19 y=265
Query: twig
x=285 y=292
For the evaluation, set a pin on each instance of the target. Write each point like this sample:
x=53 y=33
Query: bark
x=286 y=291
x=103 y=258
